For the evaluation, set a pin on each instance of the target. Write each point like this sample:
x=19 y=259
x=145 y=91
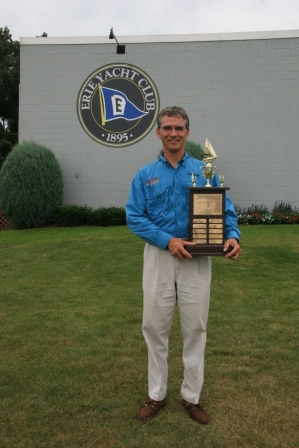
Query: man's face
x=173 y=140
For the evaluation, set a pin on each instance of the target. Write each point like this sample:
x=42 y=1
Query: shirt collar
x=182 y=162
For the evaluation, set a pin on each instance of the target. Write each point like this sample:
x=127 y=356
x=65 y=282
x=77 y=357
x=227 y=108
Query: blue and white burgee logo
x=118 y=105
x=115 y=104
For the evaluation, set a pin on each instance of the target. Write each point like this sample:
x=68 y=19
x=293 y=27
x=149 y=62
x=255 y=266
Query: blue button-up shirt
x=159 y=201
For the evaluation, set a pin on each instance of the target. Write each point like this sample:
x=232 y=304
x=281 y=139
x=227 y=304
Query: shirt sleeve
x=231 y=218
x=138 y=220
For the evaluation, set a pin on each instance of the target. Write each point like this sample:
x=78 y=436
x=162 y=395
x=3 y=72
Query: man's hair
x=173 y=111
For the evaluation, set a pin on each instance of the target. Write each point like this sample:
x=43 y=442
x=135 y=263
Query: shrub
x=31 y=185
x=72 y=215
x=77 y=215
x=194 y=150
x=109 y=216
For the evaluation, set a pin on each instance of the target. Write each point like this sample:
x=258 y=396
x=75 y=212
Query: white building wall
x=240 y=90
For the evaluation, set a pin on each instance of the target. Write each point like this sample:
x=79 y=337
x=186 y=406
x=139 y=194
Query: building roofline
x=171 y=38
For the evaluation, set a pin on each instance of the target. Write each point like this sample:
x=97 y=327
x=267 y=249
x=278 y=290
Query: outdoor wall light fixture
x=120 y=49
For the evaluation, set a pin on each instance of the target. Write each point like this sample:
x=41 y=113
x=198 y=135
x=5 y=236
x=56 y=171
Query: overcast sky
x=29 y=18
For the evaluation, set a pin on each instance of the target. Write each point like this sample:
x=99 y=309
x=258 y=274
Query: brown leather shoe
x=197 y=412
x=150 y=409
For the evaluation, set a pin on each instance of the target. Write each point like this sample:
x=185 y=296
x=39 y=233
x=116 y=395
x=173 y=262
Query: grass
x=73 y=366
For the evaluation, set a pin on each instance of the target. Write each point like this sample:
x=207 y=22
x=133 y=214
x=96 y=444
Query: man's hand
x=176 y=247
x=235 y=252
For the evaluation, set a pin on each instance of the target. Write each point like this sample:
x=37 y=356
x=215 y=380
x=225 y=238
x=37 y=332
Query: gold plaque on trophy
x=207 y=220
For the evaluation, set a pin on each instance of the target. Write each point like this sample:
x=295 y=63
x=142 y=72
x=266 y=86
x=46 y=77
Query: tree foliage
x=9 y=80
x=9 y=92
x=31 y=185
x=7 y=141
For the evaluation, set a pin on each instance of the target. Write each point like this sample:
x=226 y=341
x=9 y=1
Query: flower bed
x=282 y=213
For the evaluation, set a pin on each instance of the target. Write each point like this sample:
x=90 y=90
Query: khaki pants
x=167 y=279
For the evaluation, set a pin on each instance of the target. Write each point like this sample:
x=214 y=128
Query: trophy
x=209 y=170
x=207 y=210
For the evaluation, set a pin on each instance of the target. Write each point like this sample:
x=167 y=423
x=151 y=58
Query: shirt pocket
x=157 y=199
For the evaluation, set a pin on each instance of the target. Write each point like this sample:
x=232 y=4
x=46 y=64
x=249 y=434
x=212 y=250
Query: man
x=158 y=212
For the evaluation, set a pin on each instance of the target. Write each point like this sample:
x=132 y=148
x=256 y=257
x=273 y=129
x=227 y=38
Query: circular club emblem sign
x=118 y=105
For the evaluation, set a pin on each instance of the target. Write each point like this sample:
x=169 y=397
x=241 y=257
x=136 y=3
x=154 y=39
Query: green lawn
x=73 y=366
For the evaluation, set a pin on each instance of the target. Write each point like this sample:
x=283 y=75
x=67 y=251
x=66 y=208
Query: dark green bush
x=194 y=150
x=109 y=216
x=72 y=215
x=77 y=215
x=31 y=185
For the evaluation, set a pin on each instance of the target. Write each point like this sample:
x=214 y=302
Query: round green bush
x=194 y=150
x=31 y=185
